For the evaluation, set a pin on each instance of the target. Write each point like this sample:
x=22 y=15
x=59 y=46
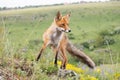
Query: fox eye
x=62 y=24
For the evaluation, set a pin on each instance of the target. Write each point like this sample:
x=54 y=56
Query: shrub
x=86 y=44
x=89 y=44
x=108 y=40
x=101 y=41
x=117 y=30
x=49 y=69
x=91 y=47
x=104 y=38
x=104 y=33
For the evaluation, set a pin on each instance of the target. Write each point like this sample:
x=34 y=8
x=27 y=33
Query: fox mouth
x=63 y=30
x=66 y=31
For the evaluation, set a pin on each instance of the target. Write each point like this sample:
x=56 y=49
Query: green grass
x=21 y=31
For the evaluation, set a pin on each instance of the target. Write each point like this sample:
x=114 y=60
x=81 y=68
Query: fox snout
x=68 y=30
x=63 y=30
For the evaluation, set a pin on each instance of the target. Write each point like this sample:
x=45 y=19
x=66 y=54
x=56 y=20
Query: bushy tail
x=80 y=55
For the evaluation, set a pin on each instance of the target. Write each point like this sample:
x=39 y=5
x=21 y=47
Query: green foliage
x=33 y=43
x=104 y=38
x=104 y=33
x=49 y=69
x=108 y=40
x=117 y=30
x=19 y=72
x=1 y=40
x=98 y=22
x=86 y=44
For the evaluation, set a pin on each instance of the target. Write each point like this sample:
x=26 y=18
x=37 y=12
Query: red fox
x=55 y=36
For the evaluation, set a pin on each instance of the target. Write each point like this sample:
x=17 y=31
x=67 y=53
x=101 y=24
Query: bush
x=104 y=38
x=101 y=41
x=105 y=33
x=117 y=30
x=108 y=40
x=110 y=32
x=89 y=44
x=49 y=69
x=86 y=44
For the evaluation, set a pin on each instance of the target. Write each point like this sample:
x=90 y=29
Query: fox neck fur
x=54 y=35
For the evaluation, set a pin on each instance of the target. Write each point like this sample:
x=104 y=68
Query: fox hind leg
x=64 y=59
x=56 y=51
x=41 y=51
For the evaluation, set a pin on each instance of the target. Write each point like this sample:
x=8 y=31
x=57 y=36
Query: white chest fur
x=56 y=37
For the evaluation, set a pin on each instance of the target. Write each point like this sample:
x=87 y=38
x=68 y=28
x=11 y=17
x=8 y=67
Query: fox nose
x=69 y=30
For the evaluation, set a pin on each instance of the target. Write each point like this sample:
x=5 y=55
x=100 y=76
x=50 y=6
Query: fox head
x=62 y=22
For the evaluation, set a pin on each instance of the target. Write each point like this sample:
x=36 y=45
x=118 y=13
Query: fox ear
x=58 y=15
